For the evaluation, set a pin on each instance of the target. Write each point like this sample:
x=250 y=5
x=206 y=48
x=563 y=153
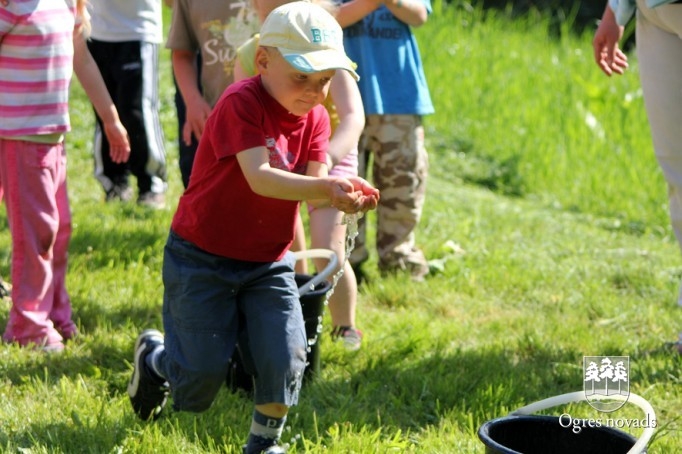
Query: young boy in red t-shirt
x=263 y=150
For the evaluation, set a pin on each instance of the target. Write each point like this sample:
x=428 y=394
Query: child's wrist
x=111 y=122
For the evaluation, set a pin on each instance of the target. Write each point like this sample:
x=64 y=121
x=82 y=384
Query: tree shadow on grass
x=73 y=437
x=470 y=387
x=93 y=250
x=90 y=315
x=210 y=431
x=97 y=359
x=467 y=382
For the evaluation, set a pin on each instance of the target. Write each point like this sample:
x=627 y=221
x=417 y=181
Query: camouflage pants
x=399 y=171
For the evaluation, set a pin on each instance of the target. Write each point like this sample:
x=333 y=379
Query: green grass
x=530 y=115
x=549 y=242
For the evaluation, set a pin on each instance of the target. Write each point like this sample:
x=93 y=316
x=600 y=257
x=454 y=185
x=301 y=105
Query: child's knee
x=284 y=366
x=197 y=391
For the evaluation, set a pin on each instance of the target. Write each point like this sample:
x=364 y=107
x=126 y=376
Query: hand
x=369 y=195
x=607 y=55
x=353 y=194
x=195 y=121
x=187 y=134
x=343 y=196
x=119 y=146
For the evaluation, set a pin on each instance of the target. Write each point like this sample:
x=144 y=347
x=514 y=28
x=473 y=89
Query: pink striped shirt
x=36 y=66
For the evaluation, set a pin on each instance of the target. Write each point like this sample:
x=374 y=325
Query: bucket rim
x=312 y=288
x=485 y=437
x=332 y=263
x=579 y=396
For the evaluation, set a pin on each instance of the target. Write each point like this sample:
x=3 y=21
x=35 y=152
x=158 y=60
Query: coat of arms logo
x=606 y=381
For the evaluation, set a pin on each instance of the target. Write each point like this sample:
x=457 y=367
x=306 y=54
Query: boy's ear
x=262 y=60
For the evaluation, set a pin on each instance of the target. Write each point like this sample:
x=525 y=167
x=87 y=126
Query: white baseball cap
x=307 y=36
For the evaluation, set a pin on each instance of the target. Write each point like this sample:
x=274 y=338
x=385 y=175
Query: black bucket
x=312 y=306
x=544 y=434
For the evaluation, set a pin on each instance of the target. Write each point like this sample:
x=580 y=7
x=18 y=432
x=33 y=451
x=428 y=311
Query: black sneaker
x=148 y=393
x=274 y=449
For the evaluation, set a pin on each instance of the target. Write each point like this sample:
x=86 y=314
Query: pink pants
x=33 y=177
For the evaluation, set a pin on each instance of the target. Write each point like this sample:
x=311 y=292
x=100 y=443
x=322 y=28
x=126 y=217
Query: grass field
x=549 y=240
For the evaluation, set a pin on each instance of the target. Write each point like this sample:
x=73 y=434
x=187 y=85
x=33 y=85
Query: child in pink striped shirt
x=42 y=43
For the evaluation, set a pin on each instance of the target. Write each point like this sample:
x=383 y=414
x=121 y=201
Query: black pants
x=130 y=72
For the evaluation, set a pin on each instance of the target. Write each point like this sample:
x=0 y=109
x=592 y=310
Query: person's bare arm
x=271 y=182
x=198 y=110
x=354 y=11
x=348 y=195
x=607 y=54
x=317 y=169
x=88 y=74
x=412 y=12
x=345 y=94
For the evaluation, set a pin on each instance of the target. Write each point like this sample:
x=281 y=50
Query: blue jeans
x=205 y=298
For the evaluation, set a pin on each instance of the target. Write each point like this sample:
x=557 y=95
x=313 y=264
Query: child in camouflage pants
x=395 y=96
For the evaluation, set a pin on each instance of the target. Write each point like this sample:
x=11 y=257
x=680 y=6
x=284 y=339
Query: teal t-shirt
x=392 y=79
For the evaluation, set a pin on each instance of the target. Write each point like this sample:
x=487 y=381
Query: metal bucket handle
x=580 y=396
x=332 y=263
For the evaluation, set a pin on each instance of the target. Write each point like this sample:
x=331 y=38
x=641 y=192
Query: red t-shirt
x=219 y=212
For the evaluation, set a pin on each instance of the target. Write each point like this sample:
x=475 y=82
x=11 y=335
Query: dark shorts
x=211 y=302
